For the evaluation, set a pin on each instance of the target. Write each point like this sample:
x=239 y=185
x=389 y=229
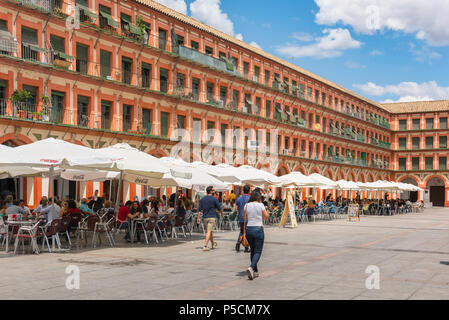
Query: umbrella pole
x=52 y=169
x=117 y=200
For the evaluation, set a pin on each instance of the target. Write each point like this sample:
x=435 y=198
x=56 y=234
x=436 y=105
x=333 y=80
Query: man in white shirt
x=48 y=210
x=44 y=204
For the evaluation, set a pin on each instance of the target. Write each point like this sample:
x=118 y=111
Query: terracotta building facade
x=100 y=72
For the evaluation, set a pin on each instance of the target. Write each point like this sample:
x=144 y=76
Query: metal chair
x=150 y=229
x=162 y=227
x=51 y=229
x=28 y=232
x=179 y=224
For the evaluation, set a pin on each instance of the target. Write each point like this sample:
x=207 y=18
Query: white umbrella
x=347 y=185
x=200 y=179
x=53 y=152
x=297 y=179
x=132 y=161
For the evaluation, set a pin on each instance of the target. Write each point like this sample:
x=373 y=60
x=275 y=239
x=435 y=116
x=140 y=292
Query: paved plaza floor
x=319 y=260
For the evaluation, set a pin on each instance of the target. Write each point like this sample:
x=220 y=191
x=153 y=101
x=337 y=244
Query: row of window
x=429 y=164
x=143 y=123
x=416 y=124
x=428 y=143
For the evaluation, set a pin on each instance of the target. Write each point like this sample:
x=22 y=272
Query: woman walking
x=255 y=213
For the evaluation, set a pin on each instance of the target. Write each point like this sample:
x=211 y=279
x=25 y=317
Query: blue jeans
x=255 y=237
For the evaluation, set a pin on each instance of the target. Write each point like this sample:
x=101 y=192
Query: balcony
x=46 y=5
x=82 y=66
x=8 y=44
x=31 y=52
x=25 y=110
x=207 y=60
x=86 y=15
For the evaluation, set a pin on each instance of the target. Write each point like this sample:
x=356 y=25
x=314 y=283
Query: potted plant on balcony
x=62 y=60
x=18 y=99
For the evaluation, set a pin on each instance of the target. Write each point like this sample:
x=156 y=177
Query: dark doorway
x=72 y=190
x=437 y=196
x=7 y=187
x=413 y=196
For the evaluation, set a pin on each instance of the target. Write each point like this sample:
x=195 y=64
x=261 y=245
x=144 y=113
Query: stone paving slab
x=318 y=260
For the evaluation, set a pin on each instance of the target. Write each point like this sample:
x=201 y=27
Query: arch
x=16 y=139
x=282 y=170
x=314 y=170
x=370 y=178
x=328 y=173
x=300 y=168
x=361 y=177
x=340 y=175
x=433 y=180
x=409 y=179
x=379 y=177
x=351 y=176
x=436 y=186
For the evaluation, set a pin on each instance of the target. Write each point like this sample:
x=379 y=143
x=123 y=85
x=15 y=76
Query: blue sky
x=384 y=50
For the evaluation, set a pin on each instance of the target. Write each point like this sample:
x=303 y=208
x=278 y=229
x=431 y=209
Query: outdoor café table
x=19 y=223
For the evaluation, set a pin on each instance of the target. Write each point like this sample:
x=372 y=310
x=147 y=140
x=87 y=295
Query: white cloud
x=178 y=5
x=332 y=44
x=210 y=13
x=302 y=36
x=376 y=53
x=424 y=54
x=406 y=91
x=427 y=20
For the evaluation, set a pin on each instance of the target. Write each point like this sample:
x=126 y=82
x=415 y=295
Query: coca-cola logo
x=141 y=181
x=49 y=161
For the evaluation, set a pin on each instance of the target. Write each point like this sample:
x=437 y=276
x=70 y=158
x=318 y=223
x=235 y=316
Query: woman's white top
x=254 y=212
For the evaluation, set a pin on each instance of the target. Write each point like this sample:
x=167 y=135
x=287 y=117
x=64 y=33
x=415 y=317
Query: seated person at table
x=136 y=208
x=85 y=208
x=15 y=209
x=310 y=208
x=108 y=209
x=171 y=208
x=47 y=212
x=154 y=212
x=227 y=205
x=25 y=208
x=122 y=219
x=135 y=212
x=43 y=204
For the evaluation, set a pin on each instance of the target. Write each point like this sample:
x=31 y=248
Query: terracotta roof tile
x=417 y=106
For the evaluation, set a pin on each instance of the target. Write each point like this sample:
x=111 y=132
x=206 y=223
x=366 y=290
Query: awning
x=64 y=56
x=87 y=12
x=35 y=47
x=135 y=29
x=111 y=20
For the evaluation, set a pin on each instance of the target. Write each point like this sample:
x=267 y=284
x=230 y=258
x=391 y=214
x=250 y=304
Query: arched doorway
x=410 y=195
x=435 y=186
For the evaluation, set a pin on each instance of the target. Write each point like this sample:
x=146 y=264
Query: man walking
x=208 y=210
x=240 y=206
